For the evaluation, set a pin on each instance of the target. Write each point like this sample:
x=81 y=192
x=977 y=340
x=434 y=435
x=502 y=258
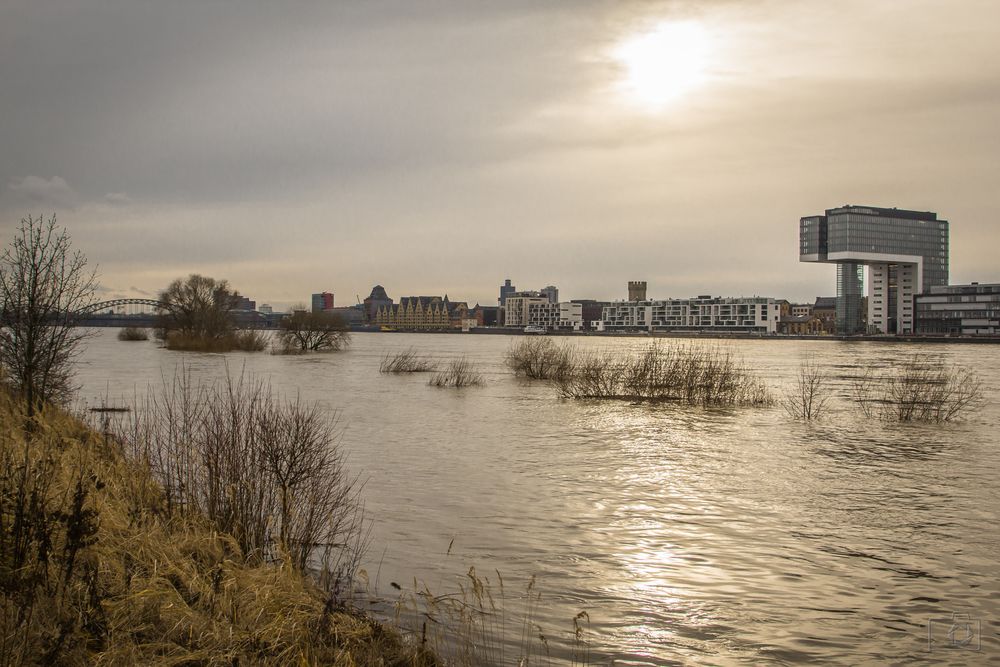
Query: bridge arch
x=95 y=308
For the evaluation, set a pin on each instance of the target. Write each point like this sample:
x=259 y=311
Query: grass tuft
x=407 y=361
x=460 y=373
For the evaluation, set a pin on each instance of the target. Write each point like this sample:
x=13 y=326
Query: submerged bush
x=539 y=359
x=683 y=374
x=250 y=340
x=922 y=389
x=407 y=361
x=808 y=397
x=460 y=373
x=132 y=334
x=245 y=340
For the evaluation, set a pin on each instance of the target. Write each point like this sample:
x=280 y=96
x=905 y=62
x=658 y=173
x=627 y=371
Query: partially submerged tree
x=197 y=313
x=304 y=331
x=43 y=284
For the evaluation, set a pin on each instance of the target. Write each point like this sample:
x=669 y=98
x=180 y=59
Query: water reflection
x=690 y=536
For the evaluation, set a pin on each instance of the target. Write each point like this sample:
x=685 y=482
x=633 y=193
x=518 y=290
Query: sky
x=439 y=147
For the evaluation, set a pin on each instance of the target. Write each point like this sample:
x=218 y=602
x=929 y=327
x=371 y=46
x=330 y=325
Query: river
x=688 y=535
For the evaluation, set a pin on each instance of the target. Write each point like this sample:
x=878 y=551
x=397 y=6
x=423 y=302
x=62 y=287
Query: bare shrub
x=807 y=399
x=266 y=470
x=922 y=389
x=305 y=331
x=539 y=359
x=407 y=361
x=250 y=340
x=460 y=373
x=683 y=374
x=133 y=334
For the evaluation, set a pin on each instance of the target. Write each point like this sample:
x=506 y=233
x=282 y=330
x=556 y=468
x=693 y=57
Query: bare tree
x=198 y=312
x=303 y=331
x=43 y=284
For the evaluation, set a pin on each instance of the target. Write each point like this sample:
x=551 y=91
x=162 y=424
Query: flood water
x=689 y=536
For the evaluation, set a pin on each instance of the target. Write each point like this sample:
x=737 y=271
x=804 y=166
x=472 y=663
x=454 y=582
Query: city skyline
x=444 y=149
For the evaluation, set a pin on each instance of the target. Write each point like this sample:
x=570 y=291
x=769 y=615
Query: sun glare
x=664 y=63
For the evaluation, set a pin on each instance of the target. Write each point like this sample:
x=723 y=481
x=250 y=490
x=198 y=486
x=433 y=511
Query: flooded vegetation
x=685 y=531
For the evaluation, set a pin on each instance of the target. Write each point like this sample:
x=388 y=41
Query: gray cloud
x=33 y=191
x=443 y=146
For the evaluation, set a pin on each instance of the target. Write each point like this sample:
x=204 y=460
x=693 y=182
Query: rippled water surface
x=689 y=536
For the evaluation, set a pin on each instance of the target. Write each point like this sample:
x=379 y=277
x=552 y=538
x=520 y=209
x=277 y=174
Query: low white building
x=516 y=307
x=522 y=311
x=703 y=313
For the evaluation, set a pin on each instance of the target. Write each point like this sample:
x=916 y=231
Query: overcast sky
x=440 y=147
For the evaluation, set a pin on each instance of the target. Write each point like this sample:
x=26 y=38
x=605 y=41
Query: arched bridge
x=96 y=308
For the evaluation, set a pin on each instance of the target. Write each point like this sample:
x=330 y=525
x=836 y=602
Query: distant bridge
x=98 y=308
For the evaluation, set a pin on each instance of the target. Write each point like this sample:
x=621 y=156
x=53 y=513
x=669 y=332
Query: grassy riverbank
x=95 y=570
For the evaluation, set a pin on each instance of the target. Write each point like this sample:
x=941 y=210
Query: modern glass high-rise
x=906 y=253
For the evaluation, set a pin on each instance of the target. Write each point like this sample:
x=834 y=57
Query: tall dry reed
x=686 y=374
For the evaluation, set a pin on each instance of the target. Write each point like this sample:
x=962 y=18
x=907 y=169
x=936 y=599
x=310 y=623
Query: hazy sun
x=664 y=63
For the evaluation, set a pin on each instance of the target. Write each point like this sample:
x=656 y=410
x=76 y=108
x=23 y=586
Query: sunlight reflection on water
x=689 y=535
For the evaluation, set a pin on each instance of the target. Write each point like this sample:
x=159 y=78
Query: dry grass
x=460 y=373
x=133 y=334
x=691 y=375
x=540 y=359
x=486 y=623
x=407 y=361
x=922 y=389
x=95 y=568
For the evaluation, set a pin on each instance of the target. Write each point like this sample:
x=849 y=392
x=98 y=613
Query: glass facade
x=909 y=249
x=959 y=309
x=892 y=232
x=849 y=287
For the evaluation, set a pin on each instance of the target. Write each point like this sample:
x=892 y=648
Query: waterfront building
x=244 y=303
x=351 y=315
x=265 y=309
x=592 y=311
x=322 y=301
x=800 y=325
x=906 y=253
x=485 y=316
x=423 y=312
x=801 y=309
x=825 y=309
x=637 y=290
x=566 y=315
x=969 y=310
x=702 y=313
x=515 y=310
x=373 y=301
x=505 y=290
x=551 y=292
